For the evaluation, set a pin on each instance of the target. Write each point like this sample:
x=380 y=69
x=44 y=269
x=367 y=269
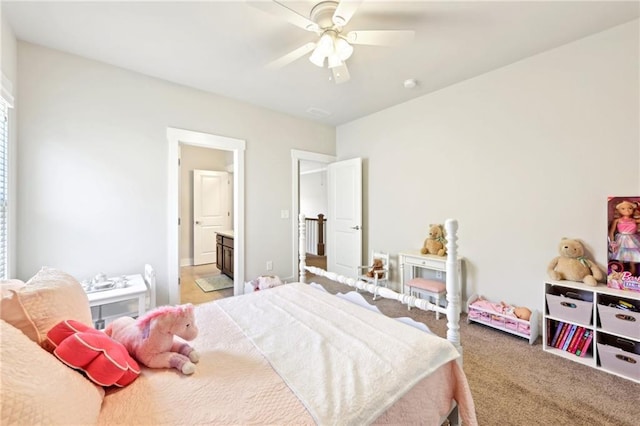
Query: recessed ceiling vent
x=317 y=112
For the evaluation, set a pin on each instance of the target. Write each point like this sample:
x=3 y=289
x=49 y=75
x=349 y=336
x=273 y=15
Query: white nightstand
x=135 y=289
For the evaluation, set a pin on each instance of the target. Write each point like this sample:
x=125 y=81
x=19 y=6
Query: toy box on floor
x=623 y=217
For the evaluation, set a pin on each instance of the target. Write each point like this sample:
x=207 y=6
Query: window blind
x=4 y=184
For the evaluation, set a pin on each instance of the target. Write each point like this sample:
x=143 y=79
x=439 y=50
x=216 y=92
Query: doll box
x=623 y=253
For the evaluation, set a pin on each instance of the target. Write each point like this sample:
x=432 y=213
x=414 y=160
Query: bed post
x=453 y=284
x=302 y=246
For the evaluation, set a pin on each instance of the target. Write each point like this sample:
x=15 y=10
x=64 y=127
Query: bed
x=289 y=355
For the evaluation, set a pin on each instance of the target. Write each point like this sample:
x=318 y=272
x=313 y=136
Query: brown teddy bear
x=435 y=242
x=572 y=265
x=378 y=265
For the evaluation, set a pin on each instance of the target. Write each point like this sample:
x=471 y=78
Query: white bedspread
x=376 y=375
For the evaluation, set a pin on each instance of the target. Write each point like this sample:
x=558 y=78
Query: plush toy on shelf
x=150 y=339
x=435 y=242
x=572 y=264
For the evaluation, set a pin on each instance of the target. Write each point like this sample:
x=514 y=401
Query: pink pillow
x=104 y=361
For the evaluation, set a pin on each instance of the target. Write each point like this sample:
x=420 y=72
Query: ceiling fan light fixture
x=317 y=57
x=343 y=49
x=324 y=49
x=334 y=60
x=325 y=44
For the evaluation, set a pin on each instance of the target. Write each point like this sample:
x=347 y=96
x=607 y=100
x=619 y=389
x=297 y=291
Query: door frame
x=176 y=137
x=296 y=157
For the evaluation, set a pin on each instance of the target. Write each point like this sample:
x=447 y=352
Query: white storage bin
x=619 y=361
x=569 y=309
x=620 y=321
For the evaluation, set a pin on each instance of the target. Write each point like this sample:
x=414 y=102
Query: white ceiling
x=223 y=46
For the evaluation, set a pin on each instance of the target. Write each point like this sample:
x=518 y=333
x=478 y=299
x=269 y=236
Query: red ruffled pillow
x=105 y=361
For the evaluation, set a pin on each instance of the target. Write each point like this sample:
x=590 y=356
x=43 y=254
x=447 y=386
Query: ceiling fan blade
x=291 y=56
x=380 y=37
x=344 y=11
x=278 y=9
x=341 y=74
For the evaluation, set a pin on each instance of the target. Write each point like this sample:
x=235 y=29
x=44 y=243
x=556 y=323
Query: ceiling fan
x=334 y=46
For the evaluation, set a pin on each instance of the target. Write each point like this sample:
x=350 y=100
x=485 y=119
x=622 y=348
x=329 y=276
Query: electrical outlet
x=269 y=265
x=439 y=274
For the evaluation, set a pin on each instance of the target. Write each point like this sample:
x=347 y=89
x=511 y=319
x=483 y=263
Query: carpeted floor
x=514 y=383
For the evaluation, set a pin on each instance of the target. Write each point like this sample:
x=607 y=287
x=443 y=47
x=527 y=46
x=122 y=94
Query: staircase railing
x=316 y=234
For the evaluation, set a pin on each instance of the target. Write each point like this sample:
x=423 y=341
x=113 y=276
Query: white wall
x=195 y=158
x=313 y=193
x=93 y=166
x=521 y=156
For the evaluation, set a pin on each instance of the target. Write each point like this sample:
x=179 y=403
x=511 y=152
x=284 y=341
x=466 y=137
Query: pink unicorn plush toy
x=149 y=339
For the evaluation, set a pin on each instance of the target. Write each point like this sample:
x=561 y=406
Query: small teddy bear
x=572 y=265
x=376 y=269
x=435 y=242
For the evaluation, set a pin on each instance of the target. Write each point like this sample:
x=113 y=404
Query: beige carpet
x=514 y=383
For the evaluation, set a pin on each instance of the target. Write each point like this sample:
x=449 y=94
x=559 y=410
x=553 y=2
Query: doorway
x=344 y=226
x=176 y=139
x=298 y=158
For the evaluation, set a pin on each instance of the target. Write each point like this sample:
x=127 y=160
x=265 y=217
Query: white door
x=344 y=224
x=211 y=213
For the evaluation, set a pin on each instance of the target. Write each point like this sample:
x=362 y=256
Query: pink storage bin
x=620 y=321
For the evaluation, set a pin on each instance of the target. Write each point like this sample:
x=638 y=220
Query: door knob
x=197 y=222
x=355 y=227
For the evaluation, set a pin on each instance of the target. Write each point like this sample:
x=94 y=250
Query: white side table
x=135 y=289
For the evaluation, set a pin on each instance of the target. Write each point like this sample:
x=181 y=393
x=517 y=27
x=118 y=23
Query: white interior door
x=211 y=213
x=344 y=224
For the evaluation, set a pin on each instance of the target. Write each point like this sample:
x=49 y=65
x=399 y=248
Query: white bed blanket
x=234 y=385
x=338 y=362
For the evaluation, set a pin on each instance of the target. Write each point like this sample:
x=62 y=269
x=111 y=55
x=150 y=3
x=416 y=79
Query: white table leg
x=141 y=304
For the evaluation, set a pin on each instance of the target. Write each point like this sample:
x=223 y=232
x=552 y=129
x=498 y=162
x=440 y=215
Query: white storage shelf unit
x=507 y=323
x=615 y=346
